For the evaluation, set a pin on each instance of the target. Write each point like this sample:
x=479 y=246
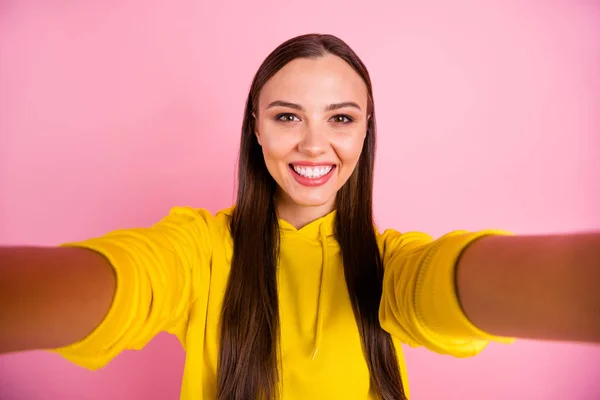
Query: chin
x=312 y=201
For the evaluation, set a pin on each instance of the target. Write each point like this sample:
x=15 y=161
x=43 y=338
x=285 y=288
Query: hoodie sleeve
x=160 y=271
x=419 y=303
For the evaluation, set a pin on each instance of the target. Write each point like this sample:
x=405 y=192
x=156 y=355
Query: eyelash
x=348 y=119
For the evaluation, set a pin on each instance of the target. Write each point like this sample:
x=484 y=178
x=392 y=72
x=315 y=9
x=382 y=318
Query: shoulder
x=188 y=214
x=197 y=224
x=391 y=240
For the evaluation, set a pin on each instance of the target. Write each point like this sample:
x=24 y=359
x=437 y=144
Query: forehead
x=315 y=83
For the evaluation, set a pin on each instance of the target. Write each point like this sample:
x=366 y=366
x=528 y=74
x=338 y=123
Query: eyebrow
x=331 y=107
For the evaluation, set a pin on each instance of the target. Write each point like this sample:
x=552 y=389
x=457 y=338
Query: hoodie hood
x=312 y=231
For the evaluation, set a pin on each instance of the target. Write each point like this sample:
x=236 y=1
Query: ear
x=368 y=121
x=255 y=126
x=258 y=138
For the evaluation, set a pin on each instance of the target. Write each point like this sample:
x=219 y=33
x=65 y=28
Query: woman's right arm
x=51 y=297
x=90 y=300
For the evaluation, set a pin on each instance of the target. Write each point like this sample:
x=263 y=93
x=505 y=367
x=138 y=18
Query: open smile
x=312 y=175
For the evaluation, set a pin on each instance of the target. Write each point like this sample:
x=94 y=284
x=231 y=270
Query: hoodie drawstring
x=324 y=271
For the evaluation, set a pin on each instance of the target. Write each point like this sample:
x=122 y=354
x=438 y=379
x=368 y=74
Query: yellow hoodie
x=172 y=277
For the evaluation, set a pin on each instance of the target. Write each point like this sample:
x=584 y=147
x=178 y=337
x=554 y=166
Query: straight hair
x=248 y=366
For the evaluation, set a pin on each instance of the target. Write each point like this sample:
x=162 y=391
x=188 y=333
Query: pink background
x=489 y=116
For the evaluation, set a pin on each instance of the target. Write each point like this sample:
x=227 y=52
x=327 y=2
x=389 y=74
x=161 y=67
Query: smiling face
x=311 y=123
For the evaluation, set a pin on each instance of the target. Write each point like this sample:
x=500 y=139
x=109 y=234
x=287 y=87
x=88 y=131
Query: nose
x=314 y=141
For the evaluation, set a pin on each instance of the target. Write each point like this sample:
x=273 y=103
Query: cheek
x=276 y=150
x=276 y=143
x=348 y=149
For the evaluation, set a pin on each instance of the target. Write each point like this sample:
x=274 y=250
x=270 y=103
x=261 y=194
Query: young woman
x=293 y=293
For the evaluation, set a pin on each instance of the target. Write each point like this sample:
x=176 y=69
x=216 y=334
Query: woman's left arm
x=537 y=287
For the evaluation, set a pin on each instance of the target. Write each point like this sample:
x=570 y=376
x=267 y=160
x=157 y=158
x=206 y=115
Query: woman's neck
x=299 y=215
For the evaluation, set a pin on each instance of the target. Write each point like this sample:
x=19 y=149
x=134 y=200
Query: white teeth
x=312 y=172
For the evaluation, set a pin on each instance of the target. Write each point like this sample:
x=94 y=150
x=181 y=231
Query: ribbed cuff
x=98 y=348
x=440 y=310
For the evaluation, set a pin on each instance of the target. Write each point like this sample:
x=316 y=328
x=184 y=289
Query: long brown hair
x=248 y=360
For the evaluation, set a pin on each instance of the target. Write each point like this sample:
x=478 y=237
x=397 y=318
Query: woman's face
x=311 y=125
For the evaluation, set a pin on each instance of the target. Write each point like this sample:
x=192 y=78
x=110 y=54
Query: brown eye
x=342 y=119
x=287 y=118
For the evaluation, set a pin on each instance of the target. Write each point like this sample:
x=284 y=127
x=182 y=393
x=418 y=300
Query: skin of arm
x=533 y=287
x=51 y=297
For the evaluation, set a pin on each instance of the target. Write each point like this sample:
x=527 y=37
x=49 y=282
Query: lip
x=313 y=164
x=311 y=182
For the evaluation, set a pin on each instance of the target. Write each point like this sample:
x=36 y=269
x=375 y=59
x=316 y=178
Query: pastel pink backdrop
x=112 y=112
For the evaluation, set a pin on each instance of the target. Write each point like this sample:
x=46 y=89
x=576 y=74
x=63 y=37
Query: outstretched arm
x=537 y=287
x=51 y=297
x=90 y=300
